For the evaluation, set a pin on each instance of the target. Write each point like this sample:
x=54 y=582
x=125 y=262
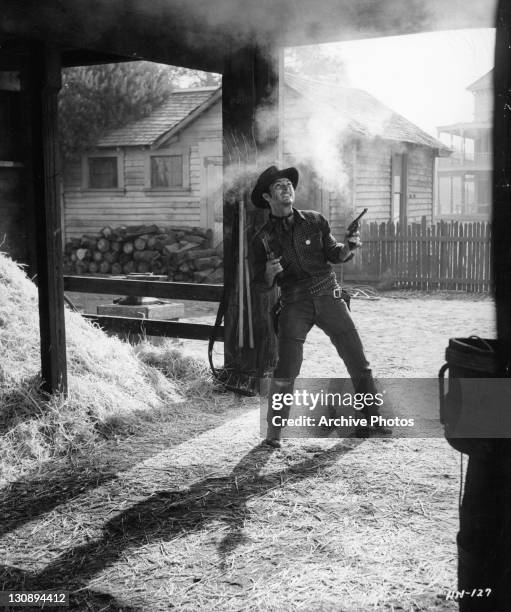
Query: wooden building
x=165 y=169
x=464 y=179
x=388 y=163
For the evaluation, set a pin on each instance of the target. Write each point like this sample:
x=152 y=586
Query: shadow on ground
x=168 y=514
x=60 y=481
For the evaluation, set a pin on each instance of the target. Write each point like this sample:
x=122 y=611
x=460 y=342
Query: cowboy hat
x=266 y=178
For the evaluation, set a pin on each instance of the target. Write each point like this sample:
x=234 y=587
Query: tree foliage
x=97 y=98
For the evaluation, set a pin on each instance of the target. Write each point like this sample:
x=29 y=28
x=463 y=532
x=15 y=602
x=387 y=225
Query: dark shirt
x=307 y=250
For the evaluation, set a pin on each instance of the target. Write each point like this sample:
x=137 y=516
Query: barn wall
x=87 y=211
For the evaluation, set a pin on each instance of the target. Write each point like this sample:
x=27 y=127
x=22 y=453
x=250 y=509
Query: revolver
x=354 y=226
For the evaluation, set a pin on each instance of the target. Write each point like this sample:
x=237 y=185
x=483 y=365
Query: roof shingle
x=169 y=115
x=363 y=113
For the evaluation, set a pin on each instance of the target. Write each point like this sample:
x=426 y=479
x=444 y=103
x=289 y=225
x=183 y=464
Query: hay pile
x=111 y=390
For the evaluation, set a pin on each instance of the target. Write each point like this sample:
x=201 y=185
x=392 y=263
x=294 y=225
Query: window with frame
x=102 y=172
x=167 y=171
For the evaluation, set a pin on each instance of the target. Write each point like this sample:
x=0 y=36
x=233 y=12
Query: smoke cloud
x=314 y=135
x=320 y=124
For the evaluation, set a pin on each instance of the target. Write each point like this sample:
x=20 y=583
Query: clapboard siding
x=420 y=184
x=369 y=167
x=372 y=180
x=87 y=211
x=366 y=162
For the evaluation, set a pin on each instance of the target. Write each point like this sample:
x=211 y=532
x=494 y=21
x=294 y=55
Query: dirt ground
x=204 y=518
x=404 y=334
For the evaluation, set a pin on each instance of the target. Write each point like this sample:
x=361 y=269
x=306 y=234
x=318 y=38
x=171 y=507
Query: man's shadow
x=166 y=515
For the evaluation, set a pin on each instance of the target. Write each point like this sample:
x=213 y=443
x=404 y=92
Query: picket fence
x=447 y=255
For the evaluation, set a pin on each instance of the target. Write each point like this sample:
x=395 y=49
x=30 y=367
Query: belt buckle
x=337 y=292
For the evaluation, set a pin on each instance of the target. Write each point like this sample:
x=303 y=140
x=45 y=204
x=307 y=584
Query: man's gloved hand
x=273 y=267
x=353 y=240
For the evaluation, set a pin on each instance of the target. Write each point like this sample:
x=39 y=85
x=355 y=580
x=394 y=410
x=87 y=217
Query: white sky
x=421 y=76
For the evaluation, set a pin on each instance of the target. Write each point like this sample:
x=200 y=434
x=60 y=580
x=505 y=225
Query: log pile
x=183 y=254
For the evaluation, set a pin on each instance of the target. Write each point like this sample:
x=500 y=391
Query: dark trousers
x=296 y=320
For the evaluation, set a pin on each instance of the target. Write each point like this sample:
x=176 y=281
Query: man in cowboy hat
x=295 y=249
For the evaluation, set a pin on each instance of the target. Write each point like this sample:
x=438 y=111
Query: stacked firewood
x=183 y=254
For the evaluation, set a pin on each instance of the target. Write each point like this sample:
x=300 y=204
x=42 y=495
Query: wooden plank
x=401 y=234
x=434 y=270
x=428 y=256
x=484 y=253
x=43 y=82
x=479 y=252
x=418 y=255
x=391 y=234
x=156 y=327
x=156 y=289
x=383 y=249
x=406 y=255
x=487 y=251
x=423 y=260
x=413 y=256
x=414 y=268
x=470 y=255
x=489 y=274
x=459 y=246
x=442 y=254
x=452 y=254
x=448 y=256
x=473 y=255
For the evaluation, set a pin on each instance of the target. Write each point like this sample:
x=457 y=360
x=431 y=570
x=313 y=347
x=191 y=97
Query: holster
x=346 y=297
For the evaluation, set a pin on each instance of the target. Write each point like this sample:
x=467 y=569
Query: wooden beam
x=87 y=57
x=156 y=327
x=199 y=34
x=156 y=289
x=43 y=81
x=501 y=218
x=250 y=82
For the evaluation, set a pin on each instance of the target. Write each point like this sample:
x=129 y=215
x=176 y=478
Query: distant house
x=389 y=161
x=165 y=169
x=464 y=179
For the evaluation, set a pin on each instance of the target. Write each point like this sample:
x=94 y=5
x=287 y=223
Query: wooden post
x=249 y=86
x=484 y=539
x=42 y=83
x=501 y=227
